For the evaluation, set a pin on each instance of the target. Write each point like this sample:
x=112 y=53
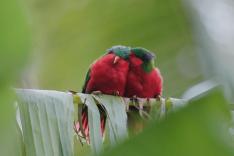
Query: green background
x=70 y=35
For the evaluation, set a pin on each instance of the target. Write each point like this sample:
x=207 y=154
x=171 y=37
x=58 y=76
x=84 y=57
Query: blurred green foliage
x=70 y=35
x=14 y=47
x=14 y=40
x=199 y=129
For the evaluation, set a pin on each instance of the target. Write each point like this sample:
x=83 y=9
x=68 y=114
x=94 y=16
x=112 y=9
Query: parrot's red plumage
x=141 y=83
x=123 y=71
x=108 y=77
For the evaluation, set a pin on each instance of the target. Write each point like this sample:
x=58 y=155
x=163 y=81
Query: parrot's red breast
x=140 y=83
x=108 y=76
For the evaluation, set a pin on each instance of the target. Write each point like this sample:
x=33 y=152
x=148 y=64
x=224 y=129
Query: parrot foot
x=158 y=97
x=134 y=98
x=98 y=92
x=148 y=100
x=116 y=93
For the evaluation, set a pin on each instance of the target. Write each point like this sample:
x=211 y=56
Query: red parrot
x=123 y=71
x=107 y=75
x=144 y=79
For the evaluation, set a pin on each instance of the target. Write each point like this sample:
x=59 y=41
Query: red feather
x=140 y=83
x=107 y=77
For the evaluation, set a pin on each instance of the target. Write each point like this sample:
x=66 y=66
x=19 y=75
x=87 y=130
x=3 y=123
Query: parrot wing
x=87 y=78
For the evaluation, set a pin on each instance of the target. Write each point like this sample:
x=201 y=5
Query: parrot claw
x=158 y=97
x=134 y=98
x=116 y=93
x=98 y=92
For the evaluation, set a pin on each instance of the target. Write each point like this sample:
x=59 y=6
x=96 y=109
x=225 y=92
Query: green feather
x=121 y=51
x=148 y=66
x=87 y=78
x=139 y=52
x=146 y=56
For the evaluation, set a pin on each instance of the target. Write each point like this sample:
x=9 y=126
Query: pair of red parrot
x=122 y=71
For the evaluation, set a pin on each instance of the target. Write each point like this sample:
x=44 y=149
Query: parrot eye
x=148 y=56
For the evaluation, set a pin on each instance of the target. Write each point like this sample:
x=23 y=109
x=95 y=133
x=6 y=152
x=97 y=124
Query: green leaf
x=200 y=128
x=46 y=119
x=174 y=104
x=116 y=117
x=14 y=49
x=93 y=122
x=215 y=40
x=47 y=122
x=14 y=39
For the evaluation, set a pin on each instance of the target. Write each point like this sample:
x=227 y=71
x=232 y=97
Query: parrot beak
x=116 y=59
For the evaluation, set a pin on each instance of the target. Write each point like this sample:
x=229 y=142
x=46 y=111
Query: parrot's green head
x=121 y=51
x=146 y=56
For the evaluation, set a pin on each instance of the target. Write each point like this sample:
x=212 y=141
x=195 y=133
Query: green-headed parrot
x=106 y=75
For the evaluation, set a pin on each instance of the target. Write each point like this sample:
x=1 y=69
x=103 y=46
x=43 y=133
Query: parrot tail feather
x=83 y=130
